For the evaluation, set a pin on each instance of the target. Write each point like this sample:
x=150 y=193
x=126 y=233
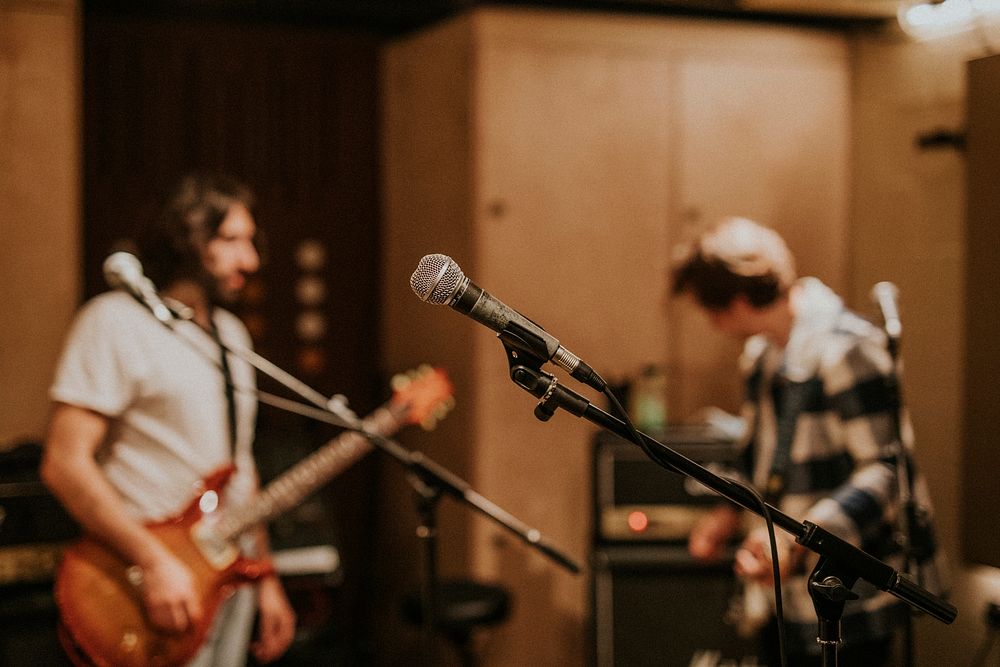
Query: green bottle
x=649 y=400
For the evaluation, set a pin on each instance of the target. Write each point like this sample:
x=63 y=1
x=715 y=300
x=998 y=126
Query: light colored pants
x=229 y=637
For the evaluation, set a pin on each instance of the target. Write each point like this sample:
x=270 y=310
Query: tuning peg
x=442 y=410
x=399 y=382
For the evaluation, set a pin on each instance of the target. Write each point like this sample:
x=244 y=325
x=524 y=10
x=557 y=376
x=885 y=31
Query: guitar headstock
x=427 y=393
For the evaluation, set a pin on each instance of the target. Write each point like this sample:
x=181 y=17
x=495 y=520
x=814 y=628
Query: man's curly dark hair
x=171 y=248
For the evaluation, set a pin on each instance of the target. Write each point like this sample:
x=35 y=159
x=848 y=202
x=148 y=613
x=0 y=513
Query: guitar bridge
x=219 y=552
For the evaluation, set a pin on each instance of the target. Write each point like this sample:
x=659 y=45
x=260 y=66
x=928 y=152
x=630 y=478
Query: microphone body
x=439 y=280
x=122 y=270
x=886 y=296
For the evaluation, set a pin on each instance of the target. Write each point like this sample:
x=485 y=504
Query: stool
x=462 y=606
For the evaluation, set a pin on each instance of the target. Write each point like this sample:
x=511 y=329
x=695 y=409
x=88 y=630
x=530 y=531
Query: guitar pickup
x=218 y=552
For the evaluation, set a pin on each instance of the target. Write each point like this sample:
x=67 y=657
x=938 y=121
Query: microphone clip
x=523 y=347
x=525 y=371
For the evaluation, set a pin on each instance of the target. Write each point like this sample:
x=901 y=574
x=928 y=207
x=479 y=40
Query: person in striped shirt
x=825 y=432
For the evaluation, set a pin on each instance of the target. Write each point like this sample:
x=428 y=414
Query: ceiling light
x=939 y=18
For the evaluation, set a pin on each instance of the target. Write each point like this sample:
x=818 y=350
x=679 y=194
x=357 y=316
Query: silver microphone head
x=883 y=290
x=122 y=270
x=436 y=279
x=886 y=295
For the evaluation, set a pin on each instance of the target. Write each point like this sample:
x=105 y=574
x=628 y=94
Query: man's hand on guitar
x=708 y=538
x=276 y=627
x=752 y=560
x=169 y=594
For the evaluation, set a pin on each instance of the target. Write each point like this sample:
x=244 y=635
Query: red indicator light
x=638 y=521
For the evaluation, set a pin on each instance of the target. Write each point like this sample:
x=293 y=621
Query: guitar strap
x=789 y=400
x=230 y=389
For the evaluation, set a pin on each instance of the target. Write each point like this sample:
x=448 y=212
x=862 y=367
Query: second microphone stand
x=913 y=534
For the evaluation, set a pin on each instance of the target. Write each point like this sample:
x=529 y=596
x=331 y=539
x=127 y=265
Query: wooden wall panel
x=39 y=204
x=981 y=460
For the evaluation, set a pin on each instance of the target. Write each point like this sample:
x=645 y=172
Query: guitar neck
x=294 y=485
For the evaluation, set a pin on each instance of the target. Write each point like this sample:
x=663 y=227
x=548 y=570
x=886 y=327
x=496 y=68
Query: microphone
x=122 y=270
x=439 y=280
x=886 y=296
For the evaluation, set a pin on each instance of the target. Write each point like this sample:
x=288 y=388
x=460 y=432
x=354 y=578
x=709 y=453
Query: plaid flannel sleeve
x=863 y=413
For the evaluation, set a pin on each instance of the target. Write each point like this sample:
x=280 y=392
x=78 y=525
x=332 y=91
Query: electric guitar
x=103 y=620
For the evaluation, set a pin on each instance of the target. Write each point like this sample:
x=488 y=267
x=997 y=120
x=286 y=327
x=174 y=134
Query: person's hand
x=169 y=594
x=752 y=560
x=276 y=628
x=707 y=541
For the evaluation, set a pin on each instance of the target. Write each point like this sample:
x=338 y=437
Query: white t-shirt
x=165 y=394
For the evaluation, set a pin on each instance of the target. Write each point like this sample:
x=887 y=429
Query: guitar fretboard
x=299 y=481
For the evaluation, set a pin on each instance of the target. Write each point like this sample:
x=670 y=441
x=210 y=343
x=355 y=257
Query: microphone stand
x=426 y=497
x=840 y=565
x=422 y=468
x=429 y=479
x=911 y=522
x=909 y=512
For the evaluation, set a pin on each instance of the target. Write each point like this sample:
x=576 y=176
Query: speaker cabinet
x=653 y=605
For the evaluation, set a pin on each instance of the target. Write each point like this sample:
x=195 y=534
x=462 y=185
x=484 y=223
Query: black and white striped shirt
x=824 y=445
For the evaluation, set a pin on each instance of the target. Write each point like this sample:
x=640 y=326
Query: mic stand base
x=426 y=498
x=829 y=588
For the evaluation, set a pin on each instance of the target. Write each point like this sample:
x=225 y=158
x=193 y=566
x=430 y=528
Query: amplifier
x=638 y=500
x=34 y=527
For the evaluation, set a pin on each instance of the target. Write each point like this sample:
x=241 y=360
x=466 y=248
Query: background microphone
x=123 y=270
x=886 y=296
x=439 y=280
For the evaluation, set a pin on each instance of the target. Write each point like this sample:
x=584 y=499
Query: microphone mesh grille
x=436 y=278
x=122 y=269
